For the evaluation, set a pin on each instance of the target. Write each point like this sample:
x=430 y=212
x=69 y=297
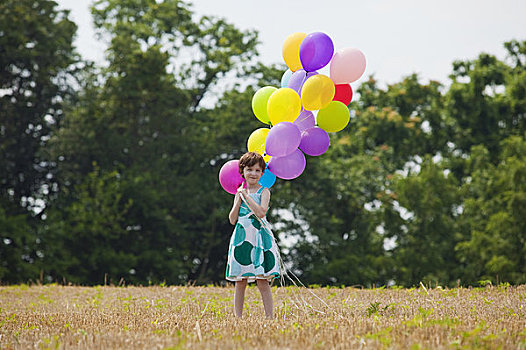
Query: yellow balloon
x=291 y=51
x=334 y=117
x=317 y=92
x=256 y=142
x=284 y=105
x=266 y=157
x=257 y=139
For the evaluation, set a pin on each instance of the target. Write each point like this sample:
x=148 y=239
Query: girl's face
x=252 y=174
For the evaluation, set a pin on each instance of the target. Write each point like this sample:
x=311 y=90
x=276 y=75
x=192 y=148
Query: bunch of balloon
x=307 y=106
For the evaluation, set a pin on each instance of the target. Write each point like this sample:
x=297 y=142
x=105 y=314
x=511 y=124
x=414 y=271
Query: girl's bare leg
x=266 y=295
x=239 y=297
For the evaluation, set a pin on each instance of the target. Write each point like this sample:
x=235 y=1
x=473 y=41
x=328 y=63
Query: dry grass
x=202 y=317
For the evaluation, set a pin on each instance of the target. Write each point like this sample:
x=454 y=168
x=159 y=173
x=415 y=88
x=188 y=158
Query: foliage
x=425 y=237
x=17 y=248
x=142 y=117
x=111 y=172
x=495 y=244
x=416 y=199
x=88 y=239
x=37 y=63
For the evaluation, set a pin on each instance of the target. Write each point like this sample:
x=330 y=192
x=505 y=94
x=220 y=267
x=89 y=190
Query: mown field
x=164 y=317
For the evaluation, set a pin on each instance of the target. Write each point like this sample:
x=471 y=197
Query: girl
x=253 y=254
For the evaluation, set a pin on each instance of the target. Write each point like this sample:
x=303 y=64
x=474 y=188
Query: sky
x=398 y=37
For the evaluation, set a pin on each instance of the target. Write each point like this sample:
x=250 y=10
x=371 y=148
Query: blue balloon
x=268 y=179
x=285 y=78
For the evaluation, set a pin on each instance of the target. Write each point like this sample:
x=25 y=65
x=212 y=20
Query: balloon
x=268 y=179
x=317 y=92
x=314 y=141
x=334 y=117
x=343 y=93
x=283 y=139
x=260 y=101
x=291 y=48
x=347 y=66
x=298 y=78
x=257 y=139
x=284 y=105
x=316 y=51
x=288 y=167
x=229 y=176
x=256 y=142
x=285 y=78
x=305 y=120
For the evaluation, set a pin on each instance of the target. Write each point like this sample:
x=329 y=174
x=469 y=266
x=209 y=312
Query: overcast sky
x=397 y=37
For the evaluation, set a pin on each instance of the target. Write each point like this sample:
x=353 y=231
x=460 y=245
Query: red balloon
x=343 y=93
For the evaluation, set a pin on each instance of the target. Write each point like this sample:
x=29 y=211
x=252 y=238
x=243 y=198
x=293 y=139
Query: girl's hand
x=242 y=191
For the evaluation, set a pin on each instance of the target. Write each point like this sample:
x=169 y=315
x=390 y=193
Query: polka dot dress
x=253 y=253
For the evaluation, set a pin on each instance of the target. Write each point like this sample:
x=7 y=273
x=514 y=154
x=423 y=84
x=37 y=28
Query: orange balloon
x=317 y=92
x=291 y=51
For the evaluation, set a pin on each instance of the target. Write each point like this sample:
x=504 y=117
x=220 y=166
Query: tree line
x=109 y=173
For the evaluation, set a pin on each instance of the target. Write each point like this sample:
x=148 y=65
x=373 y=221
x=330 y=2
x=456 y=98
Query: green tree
x=495 y=247
x=346 y=198
x=336 y=219
x=143 y=117
x=486 y=99
x=36 y=62
x=88 y=240
x=407 y=116
x=17 y=248
x=427 y=201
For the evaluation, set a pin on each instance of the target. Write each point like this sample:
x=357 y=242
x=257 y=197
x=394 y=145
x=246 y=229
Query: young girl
x=253 y=254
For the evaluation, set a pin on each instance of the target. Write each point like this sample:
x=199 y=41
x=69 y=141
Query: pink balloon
x=315 y=141
x=288 y=167
x=305 y=120
x=347 y=65
x=282 y=139
x=229 y=176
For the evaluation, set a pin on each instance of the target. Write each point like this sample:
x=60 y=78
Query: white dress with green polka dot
x=253 y=253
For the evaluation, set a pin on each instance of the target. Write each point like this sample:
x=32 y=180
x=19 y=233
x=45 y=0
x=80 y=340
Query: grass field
x=163 y=317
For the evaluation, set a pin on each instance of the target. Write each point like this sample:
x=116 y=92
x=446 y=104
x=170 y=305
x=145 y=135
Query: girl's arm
x=259 y=209
x=234 y=213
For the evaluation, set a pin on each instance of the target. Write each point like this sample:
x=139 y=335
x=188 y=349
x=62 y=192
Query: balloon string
x=304 y=79
x=280 y=260
x=304 y=118
x=284 y=270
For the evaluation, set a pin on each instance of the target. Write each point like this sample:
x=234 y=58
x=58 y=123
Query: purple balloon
x=316 y=51
x=305 y=120
x=288 y=167
x=229 y=176
x=315 y=141
x=298 y=78
x=282 y=139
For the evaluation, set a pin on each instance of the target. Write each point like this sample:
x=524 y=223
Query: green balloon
x=259 y=103
x=334 y=117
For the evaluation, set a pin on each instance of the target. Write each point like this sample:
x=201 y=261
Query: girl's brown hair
x=251 y=159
